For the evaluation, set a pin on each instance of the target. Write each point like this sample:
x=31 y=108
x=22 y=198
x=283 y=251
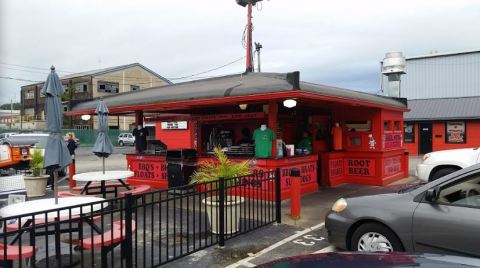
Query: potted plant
x=210 y=171
x=36 y=183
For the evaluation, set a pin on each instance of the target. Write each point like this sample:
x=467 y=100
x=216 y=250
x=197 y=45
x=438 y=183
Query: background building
x=88 y=85
x=443 y=92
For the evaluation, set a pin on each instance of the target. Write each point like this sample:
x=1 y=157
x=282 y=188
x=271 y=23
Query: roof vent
x=393 y=66
x=393 y=63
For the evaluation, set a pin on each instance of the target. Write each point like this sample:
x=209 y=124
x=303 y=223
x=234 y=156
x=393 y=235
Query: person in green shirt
x=305 y=142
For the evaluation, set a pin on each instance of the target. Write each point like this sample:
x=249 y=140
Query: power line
x=19 y=79
x=207 y=71
x=122 y=77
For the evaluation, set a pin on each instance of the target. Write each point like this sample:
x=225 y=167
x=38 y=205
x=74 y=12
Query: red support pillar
x=273 y=123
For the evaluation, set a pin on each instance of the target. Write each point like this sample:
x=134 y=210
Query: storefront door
x=425 y=138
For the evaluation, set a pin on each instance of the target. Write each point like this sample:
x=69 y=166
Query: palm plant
x=222 y=167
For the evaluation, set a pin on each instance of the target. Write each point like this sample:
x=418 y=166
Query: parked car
x=438 y=164
x=126 y=139
x=372 y=260
x=442 y=216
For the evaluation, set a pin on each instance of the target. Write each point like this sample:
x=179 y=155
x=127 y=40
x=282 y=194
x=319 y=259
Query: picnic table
x=57 y=216
x=99 y=176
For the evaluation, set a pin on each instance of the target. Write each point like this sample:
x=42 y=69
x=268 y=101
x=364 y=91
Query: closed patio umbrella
x=103 y=146
x=57 y=156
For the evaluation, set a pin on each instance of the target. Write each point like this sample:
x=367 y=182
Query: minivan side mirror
x=431 y=195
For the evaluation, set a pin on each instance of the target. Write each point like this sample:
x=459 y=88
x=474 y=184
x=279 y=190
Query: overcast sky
x=337 y=43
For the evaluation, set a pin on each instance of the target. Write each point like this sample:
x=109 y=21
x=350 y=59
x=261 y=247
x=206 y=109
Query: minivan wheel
x=374 y=237
x=120 y=143
x=442 y=172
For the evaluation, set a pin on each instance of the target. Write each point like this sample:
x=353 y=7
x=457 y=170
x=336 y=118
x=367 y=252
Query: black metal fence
x=145 y=230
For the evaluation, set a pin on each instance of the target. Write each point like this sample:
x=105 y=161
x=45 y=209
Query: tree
x=6 y=106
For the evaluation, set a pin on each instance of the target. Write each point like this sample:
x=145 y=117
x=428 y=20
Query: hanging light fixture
x=289 y=103
x=86 y=117
x=243 y=106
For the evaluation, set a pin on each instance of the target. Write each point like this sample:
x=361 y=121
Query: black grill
x=181 y=164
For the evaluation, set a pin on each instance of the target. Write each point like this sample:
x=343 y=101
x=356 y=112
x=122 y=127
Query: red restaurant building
x=442 y=124
x=219 y=111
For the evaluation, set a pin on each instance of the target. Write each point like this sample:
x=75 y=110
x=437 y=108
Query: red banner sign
x=392 y=165
x=146 y=170
x=335 y=167
x=308 y=174
x=392 y=141
x=360 y=167
x=222 y=117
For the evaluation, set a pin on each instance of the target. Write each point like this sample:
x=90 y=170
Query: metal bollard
x=71 y=171
x=295 y=193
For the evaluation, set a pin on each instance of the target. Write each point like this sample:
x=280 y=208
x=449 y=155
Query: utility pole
x=11 y=113
x=258 y=47
x=249 y=38
x=248 y=4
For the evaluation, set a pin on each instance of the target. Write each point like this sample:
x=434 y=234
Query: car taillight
x=24 y=151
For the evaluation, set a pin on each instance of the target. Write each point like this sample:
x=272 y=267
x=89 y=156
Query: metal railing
x=146 y=230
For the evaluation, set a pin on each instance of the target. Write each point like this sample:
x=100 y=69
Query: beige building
x=88 y=85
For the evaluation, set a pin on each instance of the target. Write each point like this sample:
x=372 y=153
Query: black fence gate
x=145 y=230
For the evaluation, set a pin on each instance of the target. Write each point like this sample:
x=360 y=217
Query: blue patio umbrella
x=103 y=146
x=57 y=156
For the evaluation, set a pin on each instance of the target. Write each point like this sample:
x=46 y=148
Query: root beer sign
x=360 y=167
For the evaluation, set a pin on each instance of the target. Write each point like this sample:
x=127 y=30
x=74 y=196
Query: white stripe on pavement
x=274 y=246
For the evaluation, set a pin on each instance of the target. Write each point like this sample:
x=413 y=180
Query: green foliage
x=68 y=94
x=220 y=167
x=36 y=163
x=7 y=106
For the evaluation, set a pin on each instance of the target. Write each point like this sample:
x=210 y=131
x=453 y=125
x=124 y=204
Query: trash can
x=181 y=163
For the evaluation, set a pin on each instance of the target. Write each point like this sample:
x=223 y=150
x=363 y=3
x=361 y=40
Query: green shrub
x=36 y=163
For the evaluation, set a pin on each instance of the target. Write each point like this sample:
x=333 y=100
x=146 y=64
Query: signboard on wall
x=308 y=174
x=149 y=170
x=392 y=141
x=174 y=125
x=408 y=132
x=360 y=167
x=223 y=117
x=455 y=132
x=335 y=167
x=392 y=165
